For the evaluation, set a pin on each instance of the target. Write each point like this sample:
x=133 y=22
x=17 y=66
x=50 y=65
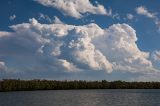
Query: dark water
x=81 y=98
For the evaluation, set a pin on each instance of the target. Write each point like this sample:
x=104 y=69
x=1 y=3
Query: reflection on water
x=108 y=97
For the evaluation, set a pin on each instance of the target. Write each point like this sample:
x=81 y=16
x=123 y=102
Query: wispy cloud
x=12 y=17
x=144 y=11
x=156 y=55
x=116 y=16
x=2 y=66
x=130 y=16
x=45 y=17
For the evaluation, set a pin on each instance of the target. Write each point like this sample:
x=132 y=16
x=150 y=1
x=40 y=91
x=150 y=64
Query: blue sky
x=80 y=39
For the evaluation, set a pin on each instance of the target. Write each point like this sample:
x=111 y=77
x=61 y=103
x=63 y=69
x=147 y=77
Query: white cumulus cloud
x=4 y=34
x=67 y=65
x=119 y=46
x=70 y=48
x=72 y=44
x=75 y=8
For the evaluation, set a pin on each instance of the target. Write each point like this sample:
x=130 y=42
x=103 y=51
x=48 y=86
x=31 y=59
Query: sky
x=80 y=39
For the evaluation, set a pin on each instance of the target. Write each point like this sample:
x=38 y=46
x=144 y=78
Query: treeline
x=26 y=85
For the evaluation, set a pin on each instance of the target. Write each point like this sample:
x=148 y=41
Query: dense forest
x=26 y=85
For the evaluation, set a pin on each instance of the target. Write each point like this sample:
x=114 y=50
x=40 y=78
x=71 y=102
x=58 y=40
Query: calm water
x=81 y=98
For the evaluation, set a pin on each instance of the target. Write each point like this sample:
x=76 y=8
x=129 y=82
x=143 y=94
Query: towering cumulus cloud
x=69 y=48
x=62 y=45
x=75 y=8
x=119 y=46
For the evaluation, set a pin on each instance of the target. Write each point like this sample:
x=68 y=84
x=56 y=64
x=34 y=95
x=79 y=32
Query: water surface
x=108 y=97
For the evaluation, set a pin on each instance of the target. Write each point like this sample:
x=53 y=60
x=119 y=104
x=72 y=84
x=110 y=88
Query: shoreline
x=34 y=85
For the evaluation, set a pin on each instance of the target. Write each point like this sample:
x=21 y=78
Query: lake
x=107 y=97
